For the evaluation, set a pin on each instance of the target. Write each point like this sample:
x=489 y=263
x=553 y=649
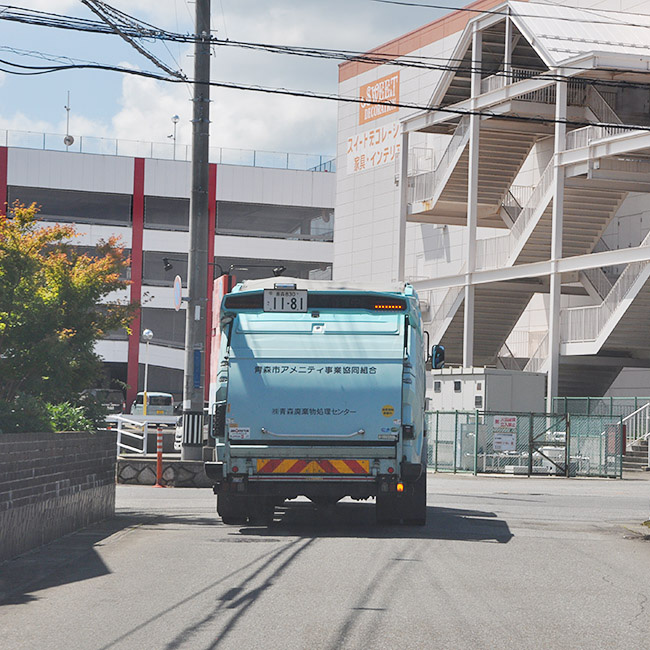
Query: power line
x=150 y=32
x=114 y=19
x=494 y=12
x=34 y=70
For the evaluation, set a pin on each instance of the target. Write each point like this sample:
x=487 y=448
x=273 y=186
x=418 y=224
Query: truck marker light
x=400 y=487
x=390 y=470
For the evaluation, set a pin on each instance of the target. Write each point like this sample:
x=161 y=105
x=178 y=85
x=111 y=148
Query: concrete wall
x=52 y=484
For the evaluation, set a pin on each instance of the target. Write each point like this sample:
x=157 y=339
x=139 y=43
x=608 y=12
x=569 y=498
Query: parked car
x=157 y=404
x=112 y=399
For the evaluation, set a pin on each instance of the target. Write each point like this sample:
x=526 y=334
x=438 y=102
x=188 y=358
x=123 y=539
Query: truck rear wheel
x=232 y=509
x=416 y=514
x=386 y=509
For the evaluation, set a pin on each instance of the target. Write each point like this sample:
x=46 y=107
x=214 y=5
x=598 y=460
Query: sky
x=116 y=105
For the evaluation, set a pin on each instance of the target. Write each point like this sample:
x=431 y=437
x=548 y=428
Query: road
x=504 y=562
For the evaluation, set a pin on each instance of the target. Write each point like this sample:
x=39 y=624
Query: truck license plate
x=285 y=300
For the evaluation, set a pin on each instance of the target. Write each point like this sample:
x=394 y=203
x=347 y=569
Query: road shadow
x=74 y=557
x=358 y=520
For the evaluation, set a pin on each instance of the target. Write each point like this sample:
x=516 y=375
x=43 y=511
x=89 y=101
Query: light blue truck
x=320 y=393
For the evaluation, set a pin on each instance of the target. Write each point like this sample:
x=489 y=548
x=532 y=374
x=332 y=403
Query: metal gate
x=525 y=443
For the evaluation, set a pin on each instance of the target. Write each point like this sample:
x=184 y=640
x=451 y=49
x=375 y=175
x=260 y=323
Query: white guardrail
x=129 y=425
x=637 y=425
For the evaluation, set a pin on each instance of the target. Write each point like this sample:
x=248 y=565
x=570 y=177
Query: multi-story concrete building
x=513 y=188
x=261 y=217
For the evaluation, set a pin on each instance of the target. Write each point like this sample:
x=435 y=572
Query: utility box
x=486 y=389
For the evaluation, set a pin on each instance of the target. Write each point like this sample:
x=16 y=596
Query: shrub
x=67 y=417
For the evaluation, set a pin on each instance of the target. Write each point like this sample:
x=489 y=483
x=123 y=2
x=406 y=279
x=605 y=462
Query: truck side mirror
x=438 y=357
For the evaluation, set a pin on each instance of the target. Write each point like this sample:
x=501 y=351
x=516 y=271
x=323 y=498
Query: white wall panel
x=163 y=356
x=70 y=171
x=112 y=351
x=275 y=186
x=90 y=234
x=165 y=240
x=172 y=178
x=298 y=251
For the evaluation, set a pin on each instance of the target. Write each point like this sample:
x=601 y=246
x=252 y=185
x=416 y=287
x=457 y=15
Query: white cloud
x=141 y=109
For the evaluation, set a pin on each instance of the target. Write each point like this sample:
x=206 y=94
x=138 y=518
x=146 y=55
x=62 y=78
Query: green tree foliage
x=51 y=306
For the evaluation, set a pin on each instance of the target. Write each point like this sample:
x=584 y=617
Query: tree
x=54 y=307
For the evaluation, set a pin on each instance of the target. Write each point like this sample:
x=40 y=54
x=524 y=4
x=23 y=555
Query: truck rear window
x=352 y=301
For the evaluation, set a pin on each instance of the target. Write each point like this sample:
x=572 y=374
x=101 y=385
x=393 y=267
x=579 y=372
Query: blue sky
x=111 y=104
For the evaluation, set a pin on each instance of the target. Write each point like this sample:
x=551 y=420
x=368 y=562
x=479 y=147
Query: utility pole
x=195 y=361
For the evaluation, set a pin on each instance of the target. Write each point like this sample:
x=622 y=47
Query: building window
x=167 y=325
x=164 y=213
x=153 y=268
x=479 y=385
x=277 y=221
x=478 y=401
x=457 y=387
x=437 y=387
x=255 y=269
x=72 y=205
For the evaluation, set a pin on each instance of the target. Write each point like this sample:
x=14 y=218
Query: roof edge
x=446 y=25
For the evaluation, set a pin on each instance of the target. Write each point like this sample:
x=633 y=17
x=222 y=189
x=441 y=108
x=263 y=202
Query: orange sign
x=385 y=89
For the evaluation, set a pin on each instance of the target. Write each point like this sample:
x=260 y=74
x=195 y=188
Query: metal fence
x=613 y=406
x=525 y=443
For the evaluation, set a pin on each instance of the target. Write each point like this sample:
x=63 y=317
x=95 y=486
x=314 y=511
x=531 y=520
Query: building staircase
x=591 y=199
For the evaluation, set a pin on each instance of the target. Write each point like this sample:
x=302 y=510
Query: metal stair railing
x=637 y=425
x=539 y=357
x=447 y=309
x=600 y=107
x=582 y=324
x=422 y=186
x=496 y=252
x=599 y=281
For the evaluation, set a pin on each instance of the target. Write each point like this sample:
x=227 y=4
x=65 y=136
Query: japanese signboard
x=373 y=148
x=505 y=433
x=385 y=89
x=505 y=423
x=504 y=441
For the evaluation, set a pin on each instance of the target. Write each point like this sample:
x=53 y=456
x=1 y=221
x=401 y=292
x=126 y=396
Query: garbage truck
x=320 y=393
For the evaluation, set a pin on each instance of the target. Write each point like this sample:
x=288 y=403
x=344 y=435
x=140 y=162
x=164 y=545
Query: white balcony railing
x=581 y=324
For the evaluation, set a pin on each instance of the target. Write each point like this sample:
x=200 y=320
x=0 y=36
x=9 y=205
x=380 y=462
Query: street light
x=147 y=335
x=175 y=119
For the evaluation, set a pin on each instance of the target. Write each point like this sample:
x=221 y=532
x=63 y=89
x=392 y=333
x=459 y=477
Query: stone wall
x=52 y=484
x=175 y=473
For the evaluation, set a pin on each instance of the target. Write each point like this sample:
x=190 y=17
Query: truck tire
x=232 y=509
x=417 y=507
x=386 y=509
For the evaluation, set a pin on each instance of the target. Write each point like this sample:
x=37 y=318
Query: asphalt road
x=502 y=563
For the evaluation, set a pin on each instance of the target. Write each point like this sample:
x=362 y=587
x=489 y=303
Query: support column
x=4 y=165
x=472 y=200
x=137 y=227
x=403 y=206
x=556 y=245
x=197 y=265
x=507 y=57
x=212 y=215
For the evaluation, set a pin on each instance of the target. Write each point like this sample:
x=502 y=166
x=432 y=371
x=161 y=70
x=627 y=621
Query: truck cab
x=320 y=393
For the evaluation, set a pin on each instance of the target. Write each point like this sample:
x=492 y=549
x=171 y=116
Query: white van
x=157 y=404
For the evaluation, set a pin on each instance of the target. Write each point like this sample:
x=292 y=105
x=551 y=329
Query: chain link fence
x=525 y=443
